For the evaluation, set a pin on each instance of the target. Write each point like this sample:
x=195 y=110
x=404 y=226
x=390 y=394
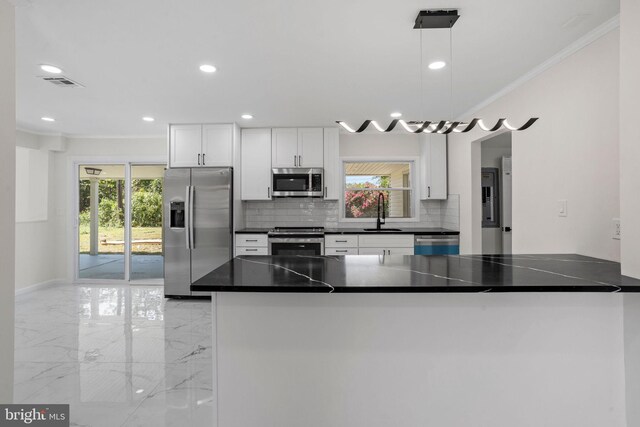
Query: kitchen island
x=526 y=340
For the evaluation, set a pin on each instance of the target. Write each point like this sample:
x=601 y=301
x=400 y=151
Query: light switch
x=562 y=208
x=616 y=229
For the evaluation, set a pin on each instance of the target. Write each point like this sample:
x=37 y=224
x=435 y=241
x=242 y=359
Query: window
x=365 y=181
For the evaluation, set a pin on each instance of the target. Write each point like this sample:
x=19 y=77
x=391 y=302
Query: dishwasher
x=436 y=245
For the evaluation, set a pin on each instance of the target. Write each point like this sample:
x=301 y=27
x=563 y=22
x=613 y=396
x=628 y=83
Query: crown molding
x=582 y=42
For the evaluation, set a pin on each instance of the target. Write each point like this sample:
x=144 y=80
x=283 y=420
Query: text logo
x=34 y=415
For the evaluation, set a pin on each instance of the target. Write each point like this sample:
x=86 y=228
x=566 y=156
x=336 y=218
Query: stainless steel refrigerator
x=198 y=226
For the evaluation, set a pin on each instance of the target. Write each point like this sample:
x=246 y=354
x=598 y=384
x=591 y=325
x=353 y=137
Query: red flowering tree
x=364 y=203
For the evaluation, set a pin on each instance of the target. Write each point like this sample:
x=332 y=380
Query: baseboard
x=31 y=288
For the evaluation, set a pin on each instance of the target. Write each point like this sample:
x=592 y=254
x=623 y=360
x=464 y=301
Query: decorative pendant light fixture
x=429 y=19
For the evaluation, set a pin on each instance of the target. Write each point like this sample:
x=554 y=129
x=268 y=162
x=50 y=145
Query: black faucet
x=380 y=206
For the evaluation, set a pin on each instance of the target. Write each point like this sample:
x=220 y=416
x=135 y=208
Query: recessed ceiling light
x=206 y=68
x=48 y=119
x=247 y=116
x=148 y=119
x=396 y=115
x=437 y=65
x=50 y=69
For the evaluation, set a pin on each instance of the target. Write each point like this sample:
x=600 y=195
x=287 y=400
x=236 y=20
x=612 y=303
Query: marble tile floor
x=119 y=355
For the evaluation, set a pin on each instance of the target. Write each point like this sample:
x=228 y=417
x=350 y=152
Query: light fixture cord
x=451 y=70
x=421 y=76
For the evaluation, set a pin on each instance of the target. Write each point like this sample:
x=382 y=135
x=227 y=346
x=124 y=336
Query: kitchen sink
x=382 y=229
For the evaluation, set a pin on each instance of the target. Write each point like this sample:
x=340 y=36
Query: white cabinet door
x=185 y=146
x=371 y=251
x=385 y=251
x=434 y=167
x=332 y=165
x=376 y=240
x=284 y=152
x=341 y=251
x=256 y=164
x=217 y=145
x=400 y=251
x=310 y=147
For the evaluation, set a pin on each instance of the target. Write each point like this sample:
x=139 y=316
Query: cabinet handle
x=203 y=163
x=295 y=160
x=198 y=159
x=269 y=192
x=341 y=241
x=428 y=191
x=251 y=240
x=299 y=160
x=325 y=192
x=251 y=250
x=341 y=250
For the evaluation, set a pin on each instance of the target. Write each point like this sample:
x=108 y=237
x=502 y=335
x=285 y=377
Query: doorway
x=119 y=227
x=495 y=187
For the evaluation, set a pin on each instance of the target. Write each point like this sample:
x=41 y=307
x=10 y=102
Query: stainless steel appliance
x=198 y=226
x=296 y=241
x=297 y=182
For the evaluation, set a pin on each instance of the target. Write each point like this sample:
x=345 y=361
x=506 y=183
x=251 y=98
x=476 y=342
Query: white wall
x=570 y=153
x=95 y=150
x=37 y=238
x=389 y=145
x=630 y=136
x=7 y=195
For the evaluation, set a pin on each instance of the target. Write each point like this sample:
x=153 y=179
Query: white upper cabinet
x=256 y=164
x=200 y=146
x=217 y=145
x=284 y=150
x=185 y=145
x=297 y=148
x=310 y=151
x=433 y=167
x=332 y=166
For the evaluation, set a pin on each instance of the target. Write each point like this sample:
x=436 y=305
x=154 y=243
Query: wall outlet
x=562 y=208
x=616 y=229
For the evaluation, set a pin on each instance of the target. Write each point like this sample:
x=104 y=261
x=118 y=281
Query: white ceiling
x=287 y=62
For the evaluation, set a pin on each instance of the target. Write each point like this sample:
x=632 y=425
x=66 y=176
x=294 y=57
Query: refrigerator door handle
x=191 y=215
x=186 y=216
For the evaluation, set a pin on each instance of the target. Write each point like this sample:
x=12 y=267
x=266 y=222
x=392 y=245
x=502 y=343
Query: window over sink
x=365 y=180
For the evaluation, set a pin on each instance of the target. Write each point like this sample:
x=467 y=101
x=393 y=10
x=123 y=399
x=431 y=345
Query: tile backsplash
x=325 y=213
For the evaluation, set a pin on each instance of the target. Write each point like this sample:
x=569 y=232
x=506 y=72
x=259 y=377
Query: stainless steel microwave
x=297 y=182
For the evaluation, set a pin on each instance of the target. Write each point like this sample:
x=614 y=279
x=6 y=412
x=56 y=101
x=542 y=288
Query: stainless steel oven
x=296 y=241
x=297 y=182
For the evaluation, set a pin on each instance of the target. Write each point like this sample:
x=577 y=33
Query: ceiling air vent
x=61 y=81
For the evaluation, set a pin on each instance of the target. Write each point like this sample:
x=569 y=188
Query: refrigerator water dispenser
x=177 y=215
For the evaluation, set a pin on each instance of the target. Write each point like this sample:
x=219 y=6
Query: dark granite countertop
x=417 y=273
x=421 y=231
x=253 y=231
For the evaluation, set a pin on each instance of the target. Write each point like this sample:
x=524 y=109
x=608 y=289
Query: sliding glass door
x=146 y=222
x=119 y=233
x=101 y=222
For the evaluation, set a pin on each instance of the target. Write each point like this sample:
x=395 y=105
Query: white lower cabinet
x=341 y=244
x=251 y=251
x=341 y=251
x=385 y=251
x=387 y=244
x=252 y=244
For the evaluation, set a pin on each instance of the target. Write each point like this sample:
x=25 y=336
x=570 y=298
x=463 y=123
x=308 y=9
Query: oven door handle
x=296 y=240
